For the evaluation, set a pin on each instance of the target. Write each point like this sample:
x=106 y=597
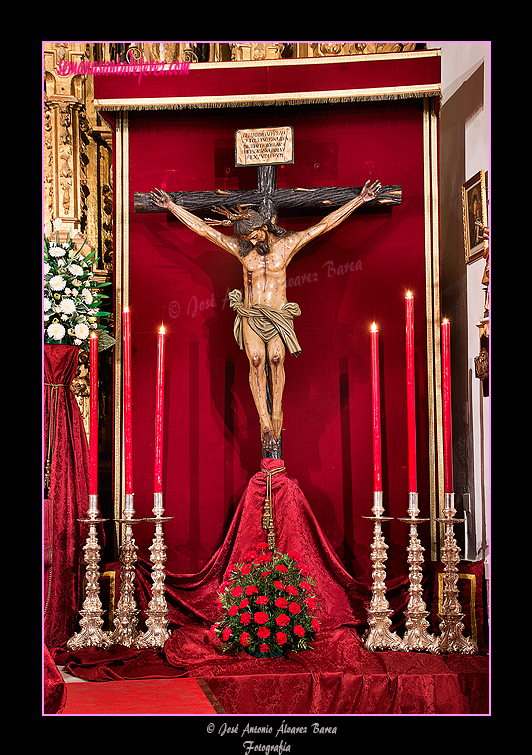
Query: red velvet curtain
x=66 y=447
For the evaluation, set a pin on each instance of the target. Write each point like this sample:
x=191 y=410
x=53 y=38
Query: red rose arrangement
x=268 y=605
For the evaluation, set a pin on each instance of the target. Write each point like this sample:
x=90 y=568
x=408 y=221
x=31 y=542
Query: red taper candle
x=93 y=444
x=376 y=409
x=128 y=458
x=159 y=413
x=447 y=409
x=411 y=393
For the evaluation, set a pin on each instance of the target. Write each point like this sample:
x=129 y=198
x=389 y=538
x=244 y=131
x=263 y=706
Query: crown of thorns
x=240 y=212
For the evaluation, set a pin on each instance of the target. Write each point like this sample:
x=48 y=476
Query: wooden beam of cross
x=267 y=198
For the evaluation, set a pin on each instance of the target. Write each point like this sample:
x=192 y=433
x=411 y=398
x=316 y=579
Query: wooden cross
x=267 y=198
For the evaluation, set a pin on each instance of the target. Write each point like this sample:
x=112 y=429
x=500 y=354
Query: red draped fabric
x=336 y=676
x=54 y=687
x=65 y=438
x=343 y=599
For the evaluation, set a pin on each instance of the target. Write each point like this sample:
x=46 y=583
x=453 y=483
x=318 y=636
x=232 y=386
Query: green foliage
x=72 y=297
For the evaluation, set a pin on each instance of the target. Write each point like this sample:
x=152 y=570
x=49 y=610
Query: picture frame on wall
x=474 y=209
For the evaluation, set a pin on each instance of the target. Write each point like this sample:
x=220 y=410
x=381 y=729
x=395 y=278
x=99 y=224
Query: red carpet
x=143 y=697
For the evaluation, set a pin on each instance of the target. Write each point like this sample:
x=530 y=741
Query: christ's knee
x=276 y=360
x=257 y=362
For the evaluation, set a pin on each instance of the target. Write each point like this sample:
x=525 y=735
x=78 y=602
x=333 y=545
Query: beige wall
x=465 y=149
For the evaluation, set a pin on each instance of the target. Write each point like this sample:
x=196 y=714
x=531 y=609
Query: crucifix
x=264 y=318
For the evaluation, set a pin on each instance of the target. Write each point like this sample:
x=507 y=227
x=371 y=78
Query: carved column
x=98 y=187
x=77 y=167
x=63 y=143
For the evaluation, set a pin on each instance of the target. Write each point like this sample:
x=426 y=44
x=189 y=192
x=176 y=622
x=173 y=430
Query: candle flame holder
x=157 y=622
x=379 y=636
x=91 y=634
x=451 y=639
x=416 y=637
x=126 y=614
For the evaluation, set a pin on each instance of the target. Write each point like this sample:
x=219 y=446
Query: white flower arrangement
x=72 y=298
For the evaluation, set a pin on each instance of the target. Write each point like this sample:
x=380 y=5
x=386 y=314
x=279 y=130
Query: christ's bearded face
x=258 y=240
x=254 y=231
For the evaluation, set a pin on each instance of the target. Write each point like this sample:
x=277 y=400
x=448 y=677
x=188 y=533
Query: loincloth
x=266 y=322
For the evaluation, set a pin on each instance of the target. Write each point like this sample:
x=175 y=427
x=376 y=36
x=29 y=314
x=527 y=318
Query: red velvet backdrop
x=344 y=281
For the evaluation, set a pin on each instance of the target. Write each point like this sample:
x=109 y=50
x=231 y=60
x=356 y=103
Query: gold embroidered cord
x=51 y=431
x=267 y=513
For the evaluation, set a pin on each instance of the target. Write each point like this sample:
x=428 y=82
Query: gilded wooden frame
x=474 y=208
x=433 y=316
x=121 y=263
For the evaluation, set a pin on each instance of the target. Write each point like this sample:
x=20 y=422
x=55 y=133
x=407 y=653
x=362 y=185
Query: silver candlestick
x=379 y=636
x=451 y=639
x=157 y=621
x=126 y=614
x=91 y=634
x=416 y=637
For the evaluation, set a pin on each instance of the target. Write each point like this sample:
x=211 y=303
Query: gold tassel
x=267 y=512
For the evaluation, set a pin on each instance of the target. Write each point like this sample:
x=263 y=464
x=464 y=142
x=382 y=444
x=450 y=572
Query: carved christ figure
x=264 y=318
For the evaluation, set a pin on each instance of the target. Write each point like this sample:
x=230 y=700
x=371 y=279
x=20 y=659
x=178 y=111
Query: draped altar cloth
x=336 y=676
x=54 y=687
x=343 y=600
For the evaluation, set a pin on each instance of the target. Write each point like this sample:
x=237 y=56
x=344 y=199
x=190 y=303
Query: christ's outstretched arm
x=301 y=239
x=228 y=243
